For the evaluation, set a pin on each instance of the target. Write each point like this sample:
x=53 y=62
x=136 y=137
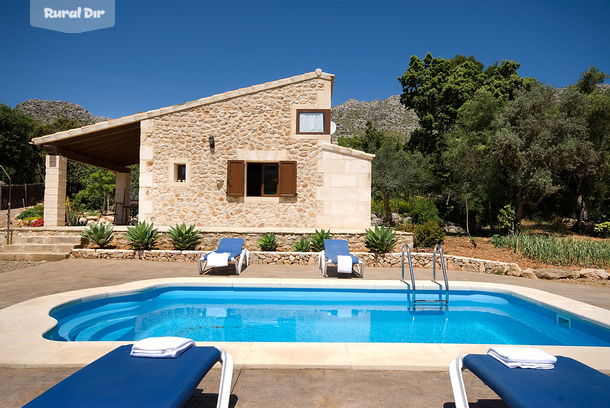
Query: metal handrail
x=410 y=265
x=438 y=246
x=442 y=258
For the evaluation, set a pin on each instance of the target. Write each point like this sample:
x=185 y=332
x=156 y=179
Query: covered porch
x=112 y=145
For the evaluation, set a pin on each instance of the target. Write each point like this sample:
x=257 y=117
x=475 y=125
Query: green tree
x=591 y=176
x=589 y=80
x=436 y=88
x=537 y=139
x=369 y=143
x=473 y=176
x=99 y=194
x=22 y=161
x=395 y=171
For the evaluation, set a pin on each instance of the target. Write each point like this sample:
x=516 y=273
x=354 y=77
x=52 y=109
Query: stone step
x=38 y=248
x=41 y=239
x=32 y=257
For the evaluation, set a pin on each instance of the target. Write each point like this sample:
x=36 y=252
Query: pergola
x=111 y=145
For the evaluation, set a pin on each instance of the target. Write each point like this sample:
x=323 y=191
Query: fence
x=21 y=195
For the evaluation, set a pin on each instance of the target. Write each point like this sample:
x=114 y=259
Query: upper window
x=313 y=121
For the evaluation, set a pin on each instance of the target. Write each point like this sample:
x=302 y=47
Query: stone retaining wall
x=393 y=260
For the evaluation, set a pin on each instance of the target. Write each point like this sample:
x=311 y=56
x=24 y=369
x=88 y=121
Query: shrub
x=603 y=229
x=302 y=245
x=380 y=240
x=317 y=239
x=142 y=236
x=429 y=234
x=99 y=234
x=35 y=212
x=38 y=223
x=423 y=210
x=506 y=217
x=268 y=242
x=183 y=237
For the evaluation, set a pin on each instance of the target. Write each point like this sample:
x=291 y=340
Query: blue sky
x=165 y=52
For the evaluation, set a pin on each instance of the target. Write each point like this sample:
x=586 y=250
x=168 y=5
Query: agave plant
x=268 y=242
x=183 y=237
x=99 y=234
x=317 y=240
x=380 y=240
x=302 y=245
x=142 y=236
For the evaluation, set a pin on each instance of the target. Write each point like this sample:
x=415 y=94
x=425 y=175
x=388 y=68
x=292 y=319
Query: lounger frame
x=323 y=262
x=243 y=258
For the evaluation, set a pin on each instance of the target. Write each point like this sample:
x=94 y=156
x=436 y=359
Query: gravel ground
x=7 y=266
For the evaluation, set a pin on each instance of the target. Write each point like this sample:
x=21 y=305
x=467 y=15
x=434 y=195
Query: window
x=262 y=179
x=313 y=121
x=181 y=173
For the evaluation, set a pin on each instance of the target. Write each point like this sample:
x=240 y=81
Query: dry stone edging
x=390 y=260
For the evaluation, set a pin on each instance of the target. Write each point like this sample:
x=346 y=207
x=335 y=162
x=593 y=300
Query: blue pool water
x=320 y=315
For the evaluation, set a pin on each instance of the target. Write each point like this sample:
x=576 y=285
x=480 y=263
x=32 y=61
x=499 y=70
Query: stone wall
x=257 y=124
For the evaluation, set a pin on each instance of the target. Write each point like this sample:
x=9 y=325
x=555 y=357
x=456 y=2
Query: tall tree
x=19 y=158
x=537 y=139
x=588 y=81
x=436 y=88
x=473 y=178
x=395 y=171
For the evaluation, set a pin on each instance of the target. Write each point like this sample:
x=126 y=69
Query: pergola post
x=121 y=198
x=55 y=191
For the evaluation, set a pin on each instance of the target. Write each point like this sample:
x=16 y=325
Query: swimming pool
x=250 y=314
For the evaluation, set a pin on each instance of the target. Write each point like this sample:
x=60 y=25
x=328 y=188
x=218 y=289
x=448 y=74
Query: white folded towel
x=218 y=259
x=523 y=357
x=344 y=264
x=161 y=347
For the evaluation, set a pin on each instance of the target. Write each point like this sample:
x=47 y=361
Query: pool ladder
x=442 y=301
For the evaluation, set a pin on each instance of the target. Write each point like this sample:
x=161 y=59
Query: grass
x=554 y=250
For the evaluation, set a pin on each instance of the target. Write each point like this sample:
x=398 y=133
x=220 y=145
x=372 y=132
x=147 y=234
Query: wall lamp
x=211 y=140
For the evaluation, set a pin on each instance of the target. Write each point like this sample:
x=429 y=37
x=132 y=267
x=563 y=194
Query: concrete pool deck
x=349 y=364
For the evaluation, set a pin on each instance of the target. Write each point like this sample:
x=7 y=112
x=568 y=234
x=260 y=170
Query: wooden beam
x=81 y=158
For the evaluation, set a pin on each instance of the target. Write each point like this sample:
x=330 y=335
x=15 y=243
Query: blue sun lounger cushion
x=232 y=246
x=333 y=248
x=569 y=384
x=119 y=380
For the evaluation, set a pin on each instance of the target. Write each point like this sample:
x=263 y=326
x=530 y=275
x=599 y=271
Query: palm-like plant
x=183 y=237
x=268 y=242
x=380 y=240
x=317 y=239
x=302 y=245
x=142 y=236
x=99 y=234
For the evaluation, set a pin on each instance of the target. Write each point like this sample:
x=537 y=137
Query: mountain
x=49 y=111
x=388 y=115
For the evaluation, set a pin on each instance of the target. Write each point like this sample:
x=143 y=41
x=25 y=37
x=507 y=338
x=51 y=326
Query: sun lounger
x=335 y=248
x=569 y=384
x=234 y=250
x=119 y=380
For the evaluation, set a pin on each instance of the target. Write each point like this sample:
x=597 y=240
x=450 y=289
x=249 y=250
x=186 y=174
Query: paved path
x=262 y=388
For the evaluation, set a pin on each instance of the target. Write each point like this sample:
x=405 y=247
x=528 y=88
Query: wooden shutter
x=288 y=179
x=235 y=177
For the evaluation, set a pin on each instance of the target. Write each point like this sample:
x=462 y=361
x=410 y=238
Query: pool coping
x=22 y=326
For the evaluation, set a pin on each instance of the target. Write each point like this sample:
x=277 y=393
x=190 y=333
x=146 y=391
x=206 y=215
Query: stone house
x=254 y=158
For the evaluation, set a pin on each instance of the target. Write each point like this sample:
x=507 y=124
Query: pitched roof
x=115 y=144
